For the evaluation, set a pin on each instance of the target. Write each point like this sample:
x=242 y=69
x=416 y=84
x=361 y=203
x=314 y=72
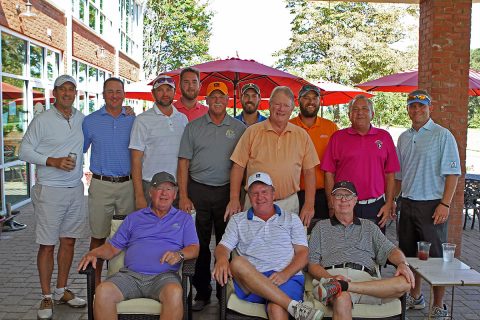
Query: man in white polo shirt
x=54 y=143
x=272 y=248
x=155 y=140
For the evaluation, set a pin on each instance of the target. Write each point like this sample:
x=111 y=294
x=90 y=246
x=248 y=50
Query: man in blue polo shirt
x=156 y=240
x=107 y=131
x=250 y=100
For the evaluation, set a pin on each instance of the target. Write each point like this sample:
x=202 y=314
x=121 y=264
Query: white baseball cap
x=260 y=177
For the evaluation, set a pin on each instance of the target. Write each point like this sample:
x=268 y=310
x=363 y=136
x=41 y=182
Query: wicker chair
x=143 y=308
x=471 y=200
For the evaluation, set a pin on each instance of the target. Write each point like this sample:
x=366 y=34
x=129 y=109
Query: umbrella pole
x=235 y=84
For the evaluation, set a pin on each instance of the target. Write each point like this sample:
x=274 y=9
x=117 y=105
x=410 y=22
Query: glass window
x=101 y=77
x=53 y=61
x=92 y=13
x=15 y=116
x=102 y=21
x=74 y=69
x=16 y=183
x=14 y=54
x=82 y=72
x=91 y=103
x=36 y=61
x=81 y=101
x=92 y=76
x=39 y=101
x=81 y=9
x=101 y=4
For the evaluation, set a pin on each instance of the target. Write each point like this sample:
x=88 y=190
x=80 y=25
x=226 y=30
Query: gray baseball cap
x=162 y=177
x=64 y=78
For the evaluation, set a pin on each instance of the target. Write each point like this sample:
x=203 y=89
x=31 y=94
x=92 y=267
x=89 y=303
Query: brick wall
x=128 y=68
x=443 y=62
x=36 y=28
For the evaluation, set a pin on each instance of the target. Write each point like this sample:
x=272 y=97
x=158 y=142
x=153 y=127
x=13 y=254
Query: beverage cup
x=73 y=156
x=423 y=250
x=448 y=251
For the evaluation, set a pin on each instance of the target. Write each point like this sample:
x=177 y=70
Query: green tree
x=176 y=34
x=474 y=102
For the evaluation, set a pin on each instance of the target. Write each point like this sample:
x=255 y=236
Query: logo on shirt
x=323 y=136
x=379 y=144
x=453 y=164
x=230 y=134
x=176 y=226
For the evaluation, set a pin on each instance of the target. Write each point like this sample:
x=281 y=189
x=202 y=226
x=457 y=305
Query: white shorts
x=59 y=213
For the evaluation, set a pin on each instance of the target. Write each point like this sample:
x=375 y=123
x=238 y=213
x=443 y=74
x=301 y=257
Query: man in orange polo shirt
x=319 y=130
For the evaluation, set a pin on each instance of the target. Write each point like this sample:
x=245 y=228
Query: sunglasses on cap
x=419 y=97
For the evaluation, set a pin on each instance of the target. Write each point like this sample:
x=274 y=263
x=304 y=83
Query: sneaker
x=199 y=305
x=302 y=311
x=416 y=304
x=69 y=298
x=438 y=313
x=45 y=312
x=328 y=288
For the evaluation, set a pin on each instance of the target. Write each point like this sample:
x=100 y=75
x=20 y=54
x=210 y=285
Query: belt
x=355 y=266
x=369 y=201
x=111 y=179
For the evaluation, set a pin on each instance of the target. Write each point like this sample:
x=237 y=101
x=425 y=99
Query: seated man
x=272 y=248
x=346 y=248
x=156 y=240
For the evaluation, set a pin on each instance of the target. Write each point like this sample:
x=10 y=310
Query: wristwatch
x=405 y=263
x=182 y=256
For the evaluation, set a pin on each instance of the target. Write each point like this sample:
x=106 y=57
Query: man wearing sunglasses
x=430 y=166
x=344 y=253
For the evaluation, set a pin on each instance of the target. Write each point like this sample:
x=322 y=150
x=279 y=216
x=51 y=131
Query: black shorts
x=370 y=211
x=416 y=224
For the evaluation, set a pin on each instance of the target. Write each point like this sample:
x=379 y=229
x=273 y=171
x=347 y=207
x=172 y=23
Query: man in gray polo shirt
x=344 y=252
x=204 y=178
x=54 y=143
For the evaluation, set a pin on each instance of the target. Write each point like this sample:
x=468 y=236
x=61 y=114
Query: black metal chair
x=471 y=200
x=143 y=308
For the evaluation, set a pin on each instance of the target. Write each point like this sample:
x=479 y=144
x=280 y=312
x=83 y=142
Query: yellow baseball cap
x=220 y=86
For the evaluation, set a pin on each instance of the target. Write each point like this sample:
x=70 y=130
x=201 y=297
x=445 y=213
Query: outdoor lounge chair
x=471 y=200
x=143 y=308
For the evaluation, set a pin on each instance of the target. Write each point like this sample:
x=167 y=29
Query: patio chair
x=142 y=308
x=471 y=200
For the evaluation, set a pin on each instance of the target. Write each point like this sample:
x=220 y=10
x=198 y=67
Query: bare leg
x=438 y=293
x=64 y=260
x=95 y=243
x=245 y=273
x=385 y=288
x=45 y=267
x=171 y=298
x=107 y=296
x=342 y=307
x=275 y=311
x=417 y=290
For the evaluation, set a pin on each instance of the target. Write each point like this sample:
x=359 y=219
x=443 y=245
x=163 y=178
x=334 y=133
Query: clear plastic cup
x=423 y=250
x=448 y=251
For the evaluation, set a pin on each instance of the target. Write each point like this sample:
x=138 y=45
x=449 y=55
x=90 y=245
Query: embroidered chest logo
x=230 y=134
x=176 y=226
x=379 y=144
x=453 y=164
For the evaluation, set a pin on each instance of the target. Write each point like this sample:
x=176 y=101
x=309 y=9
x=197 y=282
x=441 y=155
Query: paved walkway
x=20 y=292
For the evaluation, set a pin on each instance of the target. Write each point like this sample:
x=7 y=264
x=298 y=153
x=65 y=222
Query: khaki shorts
x=288 y=204
x=59 y=213
x=105 y=199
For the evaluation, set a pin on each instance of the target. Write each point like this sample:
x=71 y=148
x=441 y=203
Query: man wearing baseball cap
x=155 y=240
x=250 y=100
x=344 y=252
x=204 y=178
x=320 y=130
x=190 y=87
x=430 y=167
x=272 y=251
x=54 y=143
x=155 y=139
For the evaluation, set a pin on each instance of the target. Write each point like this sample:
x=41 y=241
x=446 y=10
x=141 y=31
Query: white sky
x=255 y=29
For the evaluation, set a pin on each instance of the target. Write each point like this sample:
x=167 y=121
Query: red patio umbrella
x=408 y=81
x=139 y=90
x=237 y=72
x=335 y=93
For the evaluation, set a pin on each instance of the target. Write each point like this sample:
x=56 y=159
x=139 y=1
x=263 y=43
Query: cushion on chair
x=139 y=306
x=244 y=307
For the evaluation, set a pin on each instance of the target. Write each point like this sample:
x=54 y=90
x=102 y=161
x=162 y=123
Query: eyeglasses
x=420 y=97
x=346 y=197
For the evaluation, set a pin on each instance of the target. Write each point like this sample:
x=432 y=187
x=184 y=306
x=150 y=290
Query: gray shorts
x=59 y=213
x=136 y=285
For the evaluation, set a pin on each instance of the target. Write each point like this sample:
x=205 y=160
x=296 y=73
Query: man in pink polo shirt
x=190 y=86
x=366 y=156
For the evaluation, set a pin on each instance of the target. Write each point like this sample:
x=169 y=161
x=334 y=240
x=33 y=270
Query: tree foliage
x=176 y=34
x=474 y=102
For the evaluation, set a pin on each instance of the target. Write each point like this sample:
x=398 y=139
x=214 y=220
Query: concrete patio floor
x=20 y=291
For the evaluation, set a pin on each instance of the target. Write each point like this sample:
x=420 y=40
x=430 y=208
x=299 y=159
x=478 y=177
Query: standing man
x=204 y=179
x=190 y=86
x=53 y=142
x=250 y=100
x=366 y=156
x=107 y=131
x=155 y=140
x=320 y=130
x=282 y=150
x=430 y=166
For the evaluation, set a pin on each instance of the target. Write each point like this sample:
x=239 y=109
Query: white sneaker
x=302 y=311
x=45 y=312
x=68 y=297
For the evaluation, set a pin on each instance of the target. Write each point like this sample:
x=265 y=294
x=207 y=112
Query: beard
x=250 y=108
x=163 y=103
x=189 y=96
x=308 y=114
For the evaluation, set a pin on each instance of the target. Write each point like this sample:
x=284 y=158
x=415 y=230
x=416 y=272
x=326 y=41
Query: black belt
x=111 y=179
x=355 y=266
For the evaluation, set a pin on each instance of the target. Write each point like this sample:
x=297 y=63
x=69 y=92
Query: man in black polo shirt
x=346 y=248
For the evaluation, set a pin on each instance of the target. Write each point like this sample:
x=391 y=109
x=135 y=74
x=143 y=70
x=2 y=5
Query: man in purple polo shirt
x=366 y=156
x=156 y=240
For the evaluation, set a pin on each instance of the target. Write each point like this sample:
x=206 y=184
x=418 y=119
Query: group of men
x=195 y=158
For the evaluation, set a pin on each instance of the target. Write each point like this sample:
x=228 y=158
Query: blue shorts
x=292 y=288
